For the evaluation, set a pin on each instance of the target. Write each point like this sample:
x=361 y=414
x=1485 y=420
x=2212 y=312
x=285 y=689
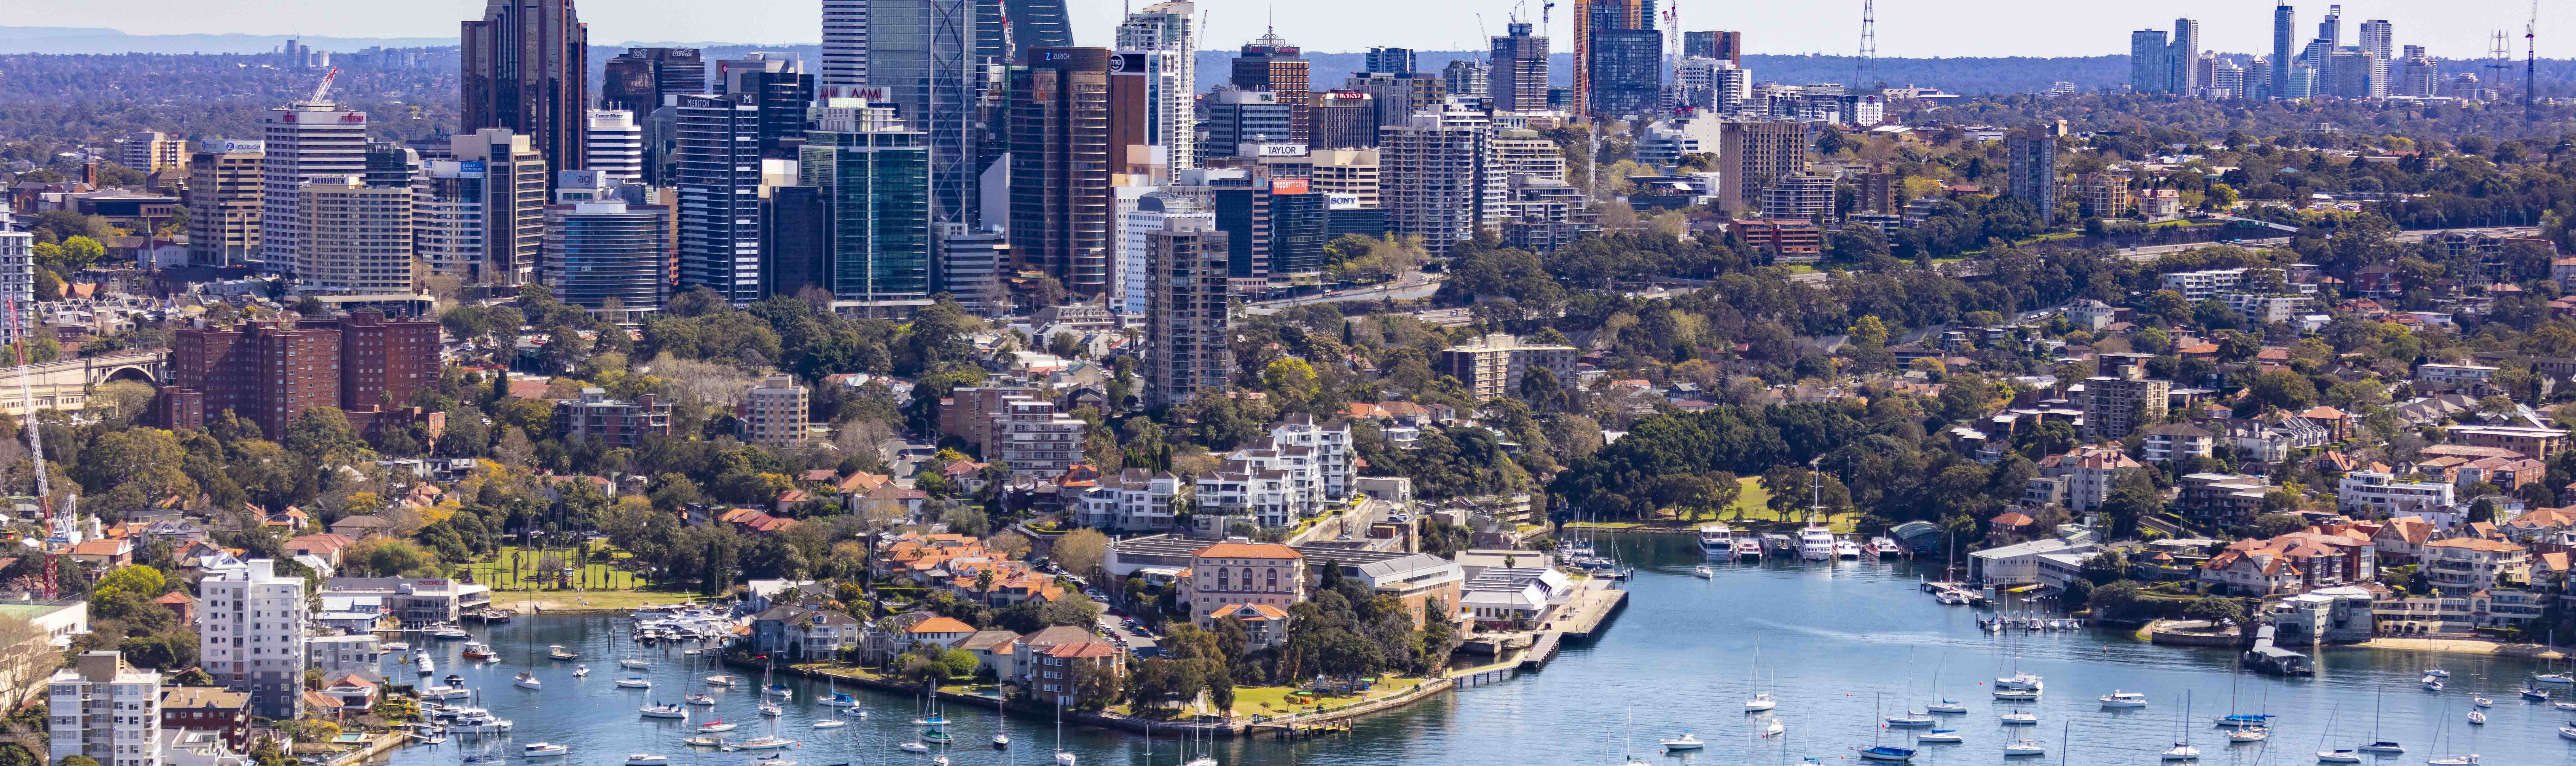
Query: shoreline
x=1240 y=725
x=2453 y=646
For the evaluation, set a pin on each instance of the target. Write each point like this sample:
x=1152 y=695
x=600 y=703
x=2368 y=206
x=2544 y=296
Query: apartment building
x=613 y=422
x=1134 y=501
x=2197 y=286
x=1034 y=440
x=251 y=629
x=1491 y=366
x=2454 y=375
x=224 y=198
x=107 y=710
x=2534 y=443
x=1331 y=442
x=2116 y=406
x=774 y=412
x=2382 y=493
x=2463 y=565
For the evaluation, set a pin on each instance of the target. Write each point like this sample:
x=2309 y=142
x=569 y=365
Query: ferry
x=1716 y=541
x=1815 y=543
x=1748 y=548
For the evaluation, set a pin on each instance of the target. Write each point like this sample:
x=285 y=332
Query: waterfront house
x=994 y=650
x=2343 y=613
x=2499 y=608
x=1057 y=668
x=944 y=631
x=2020 y=563
x=2401 y=541
x=2463 y=565
x=2297 y=562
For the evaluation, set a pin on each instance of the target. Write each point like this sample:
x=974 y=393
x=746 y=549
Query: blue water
x=1836 y=643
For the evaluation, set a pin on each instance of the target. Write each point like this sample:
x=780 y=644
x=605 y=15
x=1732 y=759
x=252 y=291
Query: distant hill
x=93 y=40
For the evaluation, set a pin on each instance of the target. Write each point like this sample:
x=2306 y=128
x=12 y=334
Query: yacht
x=647 y=759
x=716 y=725
x=2432 y=684
x=1941 y=736
x=2437 y=672
x=421 y=663
x=2025 y=747
x=1844 y=548
x=2567 y=732
x=701 y=699
x=475 y=760
x=1946 y=706
x=2019 y=681
x=634 y=682
x=2477 y=718
x=1747 y=547
x=2456 y=760
x=560 y=653
x=2555 y=678
x=1704 y=572
x=445 y=693
x=2119 y=698
x=830 y=723
x=2383 y=746
x=1684 y=742
x=543 y=750
x=2180 y=752
x=772 y=710
x=914 y=747
x=665 y=710
x=2017 y=695
x=1815 y=542
x=394 y=646
x=1760 y=702
x=2019 y=718
x=449 y=633
x=1885 y=753
x=2481 y=702
x=527 y=680
x=2530 y=692
x=2346 y=756
x=477 y=650
x=764 y=743
x=1716 y=541
x=2248 y=734
x=581 y=671
x=721 y=680
x=839 y=699
x=1911 y=721
x=1885 y=547
x=633 y=664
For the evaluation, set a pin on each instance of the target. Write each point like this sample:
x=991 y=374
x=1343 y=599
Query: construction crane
x=324 y=89
x=58 y=535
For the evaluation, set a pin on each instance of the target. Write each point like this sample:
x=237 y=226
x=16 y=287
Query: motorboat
x=581 y=671
x=1950 y=597
x=1911 y=721
x=665 y=710
x=913 y=747
x=2025 y=747
x=1884 y=547
x=1885 y=753
x=2019 y=681
x=634 y=682
x=2119 y=698
x=455 y=679
x=2344 y=756
x=2017 y=695
x=394 y=646
x=1748 y=548
x=2382 y=746
x=1761 y=701
x=830 y=723
x=1716 y=541
x=2456 y=760
x=527 y=680
x=1684 y=742
x=1844 y=548
x=559 y=653
x=2432 y=684
x=2248 y=734
x=543 y=750
x=1946 y=707
x=633 y=664
x=1940 y=737
x=2020 y=718
x=2437 y=672
x=2530 y=692
x=1704 y=572
x=2481 y=702
x=854 y=712
x=700 y=699
x=449 y=633
x=477 y=650
x=647 y=759
x=2477 y=718
x=2179 y=752
x=421 y=663
x=716 y=725
x=445 y=693
x=721 y=680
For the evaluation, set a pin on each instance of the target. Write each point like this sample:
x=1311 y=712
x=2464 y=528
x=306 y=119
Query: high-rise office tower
x=482 y=215
x=1622 y=58
x=224 y=194
x=1270 y=63
x=305 y=141
x=604 y=253
x=2418 y=75
x=2353 y=73
x=2285 y=22
x=1236 y=118
x=616 y=144
x=1754 y=155
x=1060 y=165
x=719 y=178
x=2149 y=72
x=1467 y=77
x=2258 y=78
x=527 y=69
x=1436 y=173
x=1186 y=324
x=2331 y=28
x=1037 y=24
x=1342 y=119
x=931 y=61
x=358 y=239
x=2320 y=51
x=2182 y=74
x=1399 y=96
x=1163 y=37
x=1519 y=77
x=1715 y=44
x=153 y=152
x=250 y=628
x=2033 y=173
x=845 y=46
x=971 y=265
x=392 y=164
x=1275 y=229
x=1389 y=60
x=874 y=176
x=795 y=240
x=2378 y=38
x=784 y=90
x=638 y=80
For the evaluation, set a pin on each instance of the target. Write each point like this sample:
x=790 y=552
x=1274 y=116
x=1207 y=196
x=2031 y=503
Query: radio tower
x=1867 y=66
x=2531 y=60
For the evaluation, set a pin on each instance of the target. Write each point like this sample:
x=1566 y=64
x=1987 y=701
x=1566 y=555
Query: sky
x=2450 y=28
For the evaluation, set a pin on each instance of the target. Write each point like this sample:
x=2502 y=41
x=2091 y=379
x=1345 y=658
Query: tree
x=1095 y=686
x=2103 y=568
x=2271 y=525
x=135 y=579
x=1081 y=551
x=322 y=434
x=959 y=662
x=967 y=521
x=2215 y=610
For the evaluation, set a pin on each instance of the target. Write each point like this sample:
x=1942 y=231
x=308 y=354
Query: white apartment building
x=2197 y=286
x=250 y=628
x=2383 y=493
x=2456 y=375
x=1245 y=488
x=1528 y=153
x=1666 y=143
x=355 y=651
x=1165 y=38
x=1035 y=440
x=1436 y=173
x=2470 y=564
x=105 y=709
x=1133 y=501
x=2265 y=308
x=307 y=142
x=615 y=144
x=1331 y=442
x=773 y=413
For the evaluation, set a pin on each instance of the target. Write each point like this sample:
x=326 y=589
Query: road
x=1414 y=285
x=2154 y=252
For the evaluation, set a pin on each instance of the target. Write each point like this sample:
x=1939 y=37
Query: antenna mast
x=2531 y=58
x=1866 y=67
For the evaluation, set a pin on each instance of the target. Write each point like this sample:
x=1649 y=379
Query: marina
x=1834 y=638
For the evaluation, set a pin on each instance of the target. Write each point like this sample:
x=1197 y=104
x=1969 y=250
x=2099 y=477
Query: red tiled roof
x=942 y=625
x=1248 y=551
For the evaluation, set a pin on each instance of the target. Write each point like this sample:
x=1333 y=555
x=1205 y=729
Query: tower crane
x=58 y=527
x=324 y=89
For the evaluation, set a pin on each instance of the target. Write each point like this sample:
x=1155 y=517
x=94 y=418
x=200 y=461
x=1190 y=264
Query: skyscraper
x=527 y=68
x=1436 y=172
x=1270 y=63
x=874 y=175
x=2285 y=22
x=306 y=142
x=481 y=216
x=1163 y=37
x=1715 y=44
x=929 y=57
x=250 y=626
x=637 y=80
x=2033 y=174
x=2182 y=73
x=1467 y=77
x=1618 y=57
x=2378 y=38
x=1037 y=24
x=1342 y=119
x=1059 y=127
x=1186 y=326
x=223 y=202
x=2149 y=72
x=1519 y=75
x=845 y=46
x=1239 y=117
x=616 y=144
x=358 y=239
x=784 y=90
x=719 y=178
x=1755 y=154
x=604 y=253
x=1390 y=60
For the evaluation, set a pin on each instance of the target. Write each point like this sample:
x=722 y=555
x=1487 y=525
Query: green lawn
x=1752 y=503
x=516 y=568
x=1273 y=700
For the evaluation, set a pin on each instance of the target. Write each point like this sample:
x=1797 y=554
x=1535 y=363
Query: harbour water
x=1834 y=642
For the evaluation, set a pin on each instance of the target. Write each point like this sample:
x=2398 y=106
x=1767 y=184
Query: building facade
x=358 y=239
x=303 y=142
x=1187 y=326
x=1437 y=179
x=251 y=624
x=613 y=422
x=225 y=193
x=773 y=413
x=719 y=178
x=874 y=179
x=107 y=710
x=1060 y=166
x=527 y=70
